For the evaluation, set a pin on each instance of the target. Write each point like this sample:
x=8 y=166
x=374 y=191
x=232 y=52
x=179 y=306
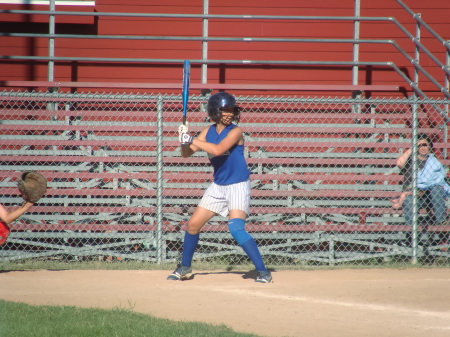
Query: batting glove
x=182 y=129
x=186 y=139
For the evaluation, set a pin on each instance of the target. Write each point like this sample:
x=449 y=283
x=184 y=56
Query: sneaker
x=264 y=277
x=180 y=273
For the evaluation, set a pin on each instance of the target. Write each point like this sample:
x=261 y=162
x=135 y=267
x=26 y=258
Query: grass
x=23 y=320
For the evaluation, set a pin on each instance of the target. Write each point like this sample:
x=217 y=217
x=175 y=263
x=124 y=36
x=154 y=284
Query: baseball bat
x=186 y=81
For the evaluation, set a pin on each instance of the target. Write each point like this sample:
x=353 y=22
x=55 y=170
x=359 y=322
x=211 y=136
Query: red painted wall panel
x=436 y=13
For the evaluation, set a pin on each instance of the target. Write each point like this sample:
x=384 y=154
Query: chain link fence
x=324 y=176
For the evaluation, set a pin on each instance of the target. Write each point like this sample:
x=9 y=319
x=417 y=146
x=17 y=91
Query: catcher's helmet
x=218 y=102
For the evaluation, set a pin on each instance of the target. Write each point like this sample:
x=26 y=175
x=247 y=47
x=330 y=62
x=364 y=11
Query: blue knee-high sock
x=190 y=243
x=237 y=230
x=253 y=253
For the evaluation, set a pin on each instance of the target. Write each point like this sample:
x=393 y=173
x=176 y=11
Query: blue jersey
x=230 y=167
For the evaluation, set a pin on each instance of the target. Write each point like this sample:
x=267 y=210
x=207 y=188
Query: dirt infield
x=362 y=302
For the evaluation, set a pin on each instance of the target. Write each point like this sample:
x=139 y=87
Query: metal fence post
x=415 y=126
x=414 y=237
x=446 y=109
x=160 y=248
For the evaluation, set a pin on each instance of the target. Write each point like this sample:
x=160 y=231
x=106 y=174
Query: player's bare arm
x=234 y=137
x=401 y=161
x=8 y=217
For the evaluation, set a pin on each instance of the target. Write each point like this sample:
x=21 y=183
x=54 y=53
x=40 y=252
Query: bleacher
x=323 y=176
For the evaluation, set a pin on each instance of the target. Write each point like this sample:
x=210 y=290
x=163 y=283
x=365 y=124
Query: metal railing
x=205 y=17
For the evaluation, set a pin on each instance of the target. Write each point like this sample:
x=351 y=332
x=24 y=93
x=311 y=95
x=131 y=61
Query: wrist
x=27 y=205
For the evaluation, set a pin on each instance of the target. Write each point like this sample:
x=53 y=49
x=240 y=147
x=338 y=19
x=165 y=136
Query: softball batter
x=229 y=194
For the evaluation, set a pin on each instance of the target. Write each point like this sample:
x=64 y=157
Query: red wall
x=436 y=13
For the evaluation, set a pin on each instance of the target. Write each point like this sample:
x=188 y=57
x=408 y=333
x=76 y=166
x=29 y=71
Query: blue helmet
x=218 y=102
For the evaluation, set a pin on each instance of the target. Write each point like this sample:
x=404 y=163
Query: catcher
x=32 y=187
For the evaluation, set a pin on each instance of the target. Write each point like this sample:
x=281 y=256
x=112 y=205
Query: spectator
x=398 y=203
x=431 y=185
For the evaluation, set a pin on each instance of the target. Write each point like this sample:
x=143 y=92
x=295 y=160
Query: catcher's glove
x=32 y=186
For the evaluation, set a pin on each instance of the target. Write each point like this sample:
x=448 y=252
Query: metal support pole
x=415 y=127
x=51 y=53
x=205 y=42
x=51 y=42
x=356 y=94
x=447 y=85
x=161 y=246
x=417 y=51
x=356 y=45
x=415 y=208
x=447 y=66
